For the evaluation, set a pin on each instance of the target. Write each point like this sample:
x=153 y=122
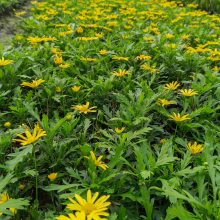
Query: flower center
x=88 y=208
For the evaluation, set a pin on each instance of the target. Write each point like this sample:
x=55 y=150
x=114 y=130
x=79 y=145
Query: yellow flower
x=4 y=197
x=20 y=13
x=18 y=37
x=98 y=162
x=30 y=138
x=34 y=84
x=76 y=88
x=143 y=57
x=58 y=89
x=52 y=176
x=21 y=186
x=88 y=59
x=149 y=68
x=169 y=36
x=188 y=92
x=34 y=40
x=120 y=58
x=195 y=148
x=162 y=141
x=64 y=66
x=79 y=30
x=119 y=130
x=165 y=102
x=172 y=86
x=7 y=124
x=77 y=216
x=92 y=207
x=178 y=118
x=56 y=51
x=84 y=108
x=102 y=52
x=4 y=62
x=58 y=60
x=120 y=73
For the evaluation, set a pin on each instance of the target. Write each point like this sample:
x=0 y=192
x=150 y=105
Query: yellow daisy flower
x=4 y=197
x=188 y=92
x=178 y=118
x=34 y=84
x=76 y=88
x=119 y=130
x=4 y=62
x=52 y=176
x=92 y=207
x=165 y=102
x=172 y=86
x=77 y=216
x=98 y=162
x=30 y=138
x=195 y=148
x=84 y=108
x=120 y=73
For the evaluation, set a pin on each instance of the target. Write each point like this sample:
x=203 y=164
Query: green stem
x=36 y=176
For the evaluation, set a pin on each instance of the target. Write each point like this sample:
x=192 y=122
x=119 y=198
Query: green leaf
x=14 y=203
x=18 y=157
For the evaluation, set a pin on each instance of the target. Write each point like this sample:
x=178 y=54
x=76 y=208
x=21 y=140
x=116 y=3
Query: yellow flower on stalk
x=34 y=84
x=7 y=124
x=4 y=62
x=21 y=186
x=88 y=59
x=178 y=118
x=93 y=207
x=58 y=89
x=35 y=40
x=120 y=73
x=76 y=88
x=169 y=36
x=102 y=52
x=149 y=68
x=188 y=92
x=64 y=66
x=172 y=86
x=4 y=197
x=58 y=60
x=84 y=108
x=76 y=216
x=119 y=130
x=143 y=57
x=30 y=138
x=79 y=30
x=165 y=102
x=98 y=162
x=195 y=148
x=20 y=13
x=52 y=176
x=162 y=141
x=120 y=58
x=56 y=51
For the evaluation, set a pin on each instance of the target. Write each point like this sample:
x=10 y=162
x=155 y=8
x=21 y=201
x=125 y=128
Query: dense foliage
x=119 y=97
x=212 y=6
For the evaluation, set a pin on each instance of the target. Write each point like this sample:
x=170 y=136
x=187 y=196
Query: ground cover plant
x=110 y=110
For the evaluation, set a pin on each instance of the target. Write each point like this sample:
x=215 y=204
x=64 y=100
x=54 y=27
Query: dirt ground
x=9 y=25
x=8 y=28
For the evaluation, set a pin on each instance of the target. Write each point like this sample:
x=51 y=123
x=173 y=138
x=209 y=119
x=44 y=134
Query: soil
x=8 y=28
x=9 y=25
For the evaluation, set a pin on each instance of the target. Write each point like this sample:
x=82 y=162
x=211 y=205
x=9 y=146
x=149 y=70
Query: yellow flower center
x=88 y=208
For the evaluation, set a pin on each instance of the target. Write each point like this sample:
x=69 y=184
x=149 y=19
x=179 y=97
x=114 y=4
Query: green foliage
x=101 y=120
